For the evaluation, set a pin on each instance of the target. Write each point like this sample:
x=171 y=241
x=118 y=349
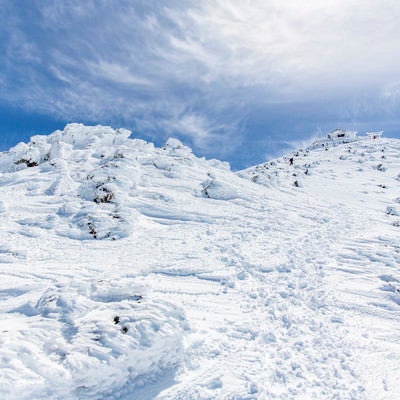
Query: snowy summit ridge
x=135 y=272
x=100 y=174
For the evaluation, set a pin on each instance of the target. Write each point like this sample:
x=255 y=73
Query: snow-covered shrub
x=297 y=184
x=92 y=230
x=176 y=148
x=97 y=224
x=163 y=162
x=33 y=153
x=215 y=189
x=391 y=210
x=103 y=194
x=28 y=162
x=99 y=188
x=380 y=167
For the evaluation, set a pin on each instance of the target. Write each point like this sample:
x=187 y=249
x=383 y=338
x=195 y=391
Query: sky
x=241 y=81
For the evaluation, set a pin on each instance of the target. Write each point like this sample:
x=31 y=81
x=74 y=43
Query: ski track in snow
x=202 y=284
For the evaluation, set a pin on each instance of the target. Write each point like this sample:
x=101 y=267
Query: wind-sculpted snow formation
x=101 y=176
x=135 y=272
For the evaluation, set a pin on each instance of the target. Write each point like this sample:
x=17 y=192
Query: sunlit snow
x=135 y=272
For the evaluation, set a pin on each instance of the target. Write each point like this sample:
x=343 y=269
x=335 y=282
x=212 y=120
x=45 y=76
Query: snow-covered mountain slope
x=135 y=272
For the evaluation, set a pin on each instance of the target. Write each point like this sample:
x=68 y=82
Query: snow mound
x=214 y=188
x=109 y=330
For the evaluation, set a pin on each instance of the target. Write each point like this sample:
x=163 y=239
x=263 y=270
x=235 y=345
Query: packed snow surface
x=135 y=272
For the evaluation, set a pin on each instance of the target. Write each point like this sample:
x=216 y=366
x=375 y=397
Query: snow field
x=129 y=271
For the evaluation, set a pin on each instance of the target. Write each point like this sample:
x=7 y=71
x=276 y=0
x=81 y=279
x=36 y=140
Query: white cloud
x=391 y=91
x=305 y=45
x=203 y=132
x=116 y=73
x=189 y=67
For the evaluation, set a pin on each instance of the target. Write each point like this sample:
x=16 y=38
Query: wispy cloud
x=117 y=73
x=305 y=45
